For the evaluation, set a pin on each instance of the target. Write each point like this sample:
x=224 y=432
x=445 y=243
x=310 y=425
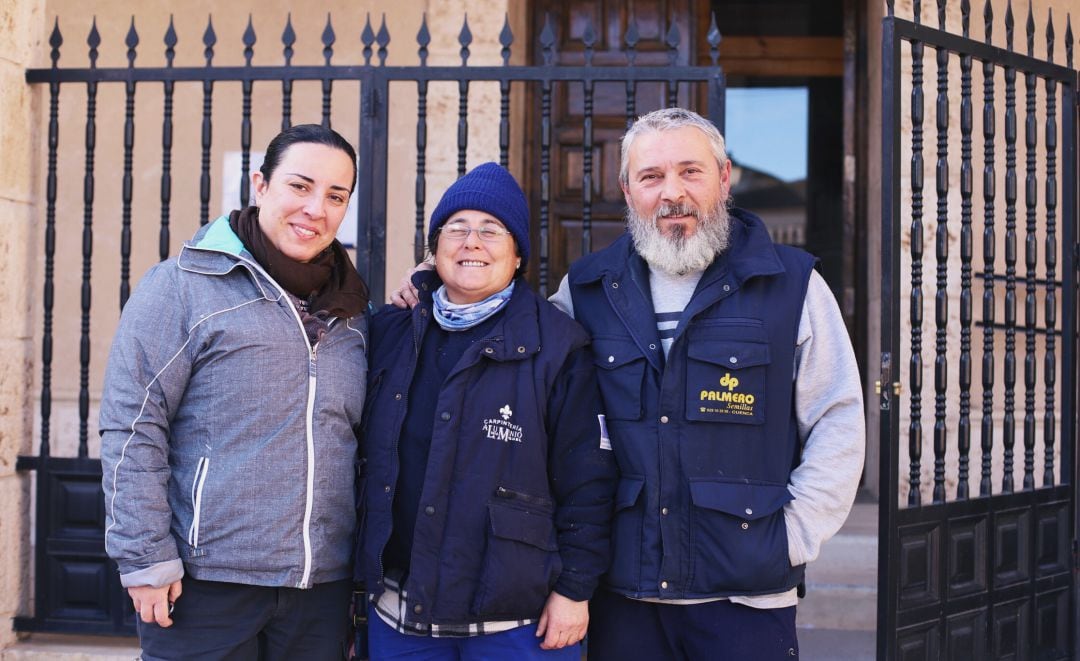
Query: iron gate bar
x=937 y=613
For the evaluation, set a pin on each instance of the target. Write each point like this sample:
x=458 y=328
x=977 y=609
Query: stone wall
x=22 y=24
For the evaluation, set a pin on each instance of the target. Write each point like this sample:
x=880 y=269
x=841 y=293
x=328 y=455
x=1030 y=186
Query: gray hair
x=669 y=119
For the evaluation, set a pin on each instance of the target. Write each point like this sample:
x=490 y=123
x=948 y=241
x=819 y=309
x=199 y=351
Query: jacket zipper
x=310 y=433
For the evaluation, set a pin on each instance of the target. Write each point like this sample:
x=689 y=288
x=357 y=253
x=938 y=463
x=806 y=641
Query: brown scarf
x=328 y=283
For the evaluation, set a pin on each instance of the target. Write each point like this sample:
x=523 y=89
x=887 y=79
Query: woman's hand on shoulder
x=563 y=622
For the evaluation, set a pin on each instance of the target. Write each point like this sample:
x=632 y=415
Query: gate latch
x=881 y=386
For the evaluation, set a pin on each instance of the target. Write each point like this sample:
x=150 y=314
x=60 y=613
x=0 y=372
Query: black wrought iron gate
x=76 y=587
x=978 y=555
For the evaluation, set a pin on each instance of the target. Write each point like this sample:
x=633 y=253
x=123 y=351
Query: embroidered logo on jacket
x=501 y=429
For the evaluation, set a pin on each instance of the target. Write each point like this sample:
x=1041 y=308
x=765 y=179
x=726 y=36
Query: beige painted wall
x=113 y=18
x=953 y=284
x=21 y=23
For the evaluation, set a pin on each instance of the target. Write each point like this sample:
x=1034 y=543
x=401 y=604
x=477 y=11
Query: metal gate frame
x=76 y=586
x=977 y=576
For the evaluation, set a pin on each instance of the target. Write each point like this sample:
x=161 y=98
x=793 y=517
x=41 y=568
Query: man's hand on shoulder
x=405 y=296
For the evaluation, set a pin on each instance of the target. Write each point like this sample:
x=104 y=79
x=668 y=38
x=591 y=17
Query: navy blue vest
x=706 y=439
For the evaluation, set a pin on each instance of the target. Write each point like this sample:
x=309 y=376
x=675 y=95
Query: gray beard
x=676 y=253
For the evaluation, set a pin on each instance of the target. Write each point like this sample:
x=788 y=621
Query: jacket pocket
x=621 y=373
x=202 y=468
x=626 y=530
x=520 y=563
x=739 y=538
x=725 y=381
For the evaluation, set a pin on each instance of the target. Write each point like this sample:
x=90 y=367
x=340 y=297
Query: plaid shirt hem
x=392 y=605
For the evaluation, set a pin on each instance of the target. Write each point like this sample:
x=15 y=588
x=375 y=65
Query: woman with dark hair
x=233 y=389
x=489 y=482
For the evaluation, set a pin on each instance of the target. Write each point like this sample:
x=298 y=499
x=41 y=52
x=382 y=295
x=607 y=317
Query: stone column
x=22 y=23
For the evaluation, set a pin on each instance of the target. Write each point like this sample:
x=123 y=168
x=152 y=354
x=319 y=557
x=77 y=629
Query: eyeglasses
x=459 y=232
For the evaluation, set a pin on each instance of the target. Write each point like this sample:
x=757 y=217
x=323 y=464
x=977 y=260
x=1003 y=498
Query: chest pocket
x=725 y=377
x=621 y=373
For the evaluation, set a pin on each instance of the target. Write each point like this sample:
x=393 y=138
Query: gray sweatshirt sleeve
x=832 y=426
x=562 y=298
x=145 y=378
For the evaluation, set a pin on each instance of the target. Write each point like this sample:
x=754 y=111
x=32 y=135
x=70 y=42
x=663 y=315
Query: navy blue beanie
x=491 y=189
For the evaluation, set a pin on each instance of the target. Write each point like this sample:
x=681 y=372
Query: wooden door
x=610 y=20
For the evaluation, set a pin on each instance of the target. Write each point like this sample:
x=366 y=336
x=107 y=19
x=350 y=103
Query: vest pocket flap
x=610 y=353
x=626 y=494
x=523 y=526
x=746 y=501
x=729 y=354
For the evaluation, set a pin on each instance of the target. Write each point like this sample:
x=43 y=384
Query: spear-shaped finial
x=131 y=41
x=506 y=39
x=209 y=39
x=249 y=42
x=288 y=38
x=547 y=40
x=423 y=40
x=93 y=40
x=383 y=39
x=465 y=38
x=170 y=43
x=328 y=39
x=713 y=37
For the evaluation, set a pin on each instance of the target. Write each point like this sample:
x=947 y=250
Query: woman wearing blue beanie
x=488 y=481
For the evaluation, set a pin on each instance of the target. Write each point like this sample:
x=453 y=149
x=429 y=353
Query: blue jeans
x=387 y=644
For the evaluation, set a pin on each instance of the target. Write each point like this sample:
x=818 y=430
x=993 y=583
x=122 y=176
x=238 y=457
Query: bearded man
x=732 y=401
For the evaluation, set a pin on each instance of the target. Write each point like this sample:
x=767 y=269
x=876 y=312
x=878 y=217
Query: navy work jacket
x=517 y=494
x=706 y=438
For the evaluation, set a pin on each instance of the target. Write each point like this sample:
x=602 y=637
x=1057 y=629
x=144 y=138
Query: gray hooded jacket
x=228 y=447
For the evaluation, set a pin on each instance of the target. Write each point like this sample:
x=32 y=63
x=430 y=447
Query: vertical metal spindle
x=288 y=39
x=1009 y=426
x=55 y=41
x=966 y=253
x=632 y=38
x=589 y=41
x=989 y=256
x=1050 y=248
x=672 y=40
x=166 y=146
x=423 y=39
x=464 y=38
x=1031 y=251
x=131 y=41
x=94 y=40
x=916 y=302
x=716 y=86
x=245 y=118
x=941 y=256
x=506 y=38
x=1009 y=423
x=209 y=39
x=547 y=45
x=328 y=39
